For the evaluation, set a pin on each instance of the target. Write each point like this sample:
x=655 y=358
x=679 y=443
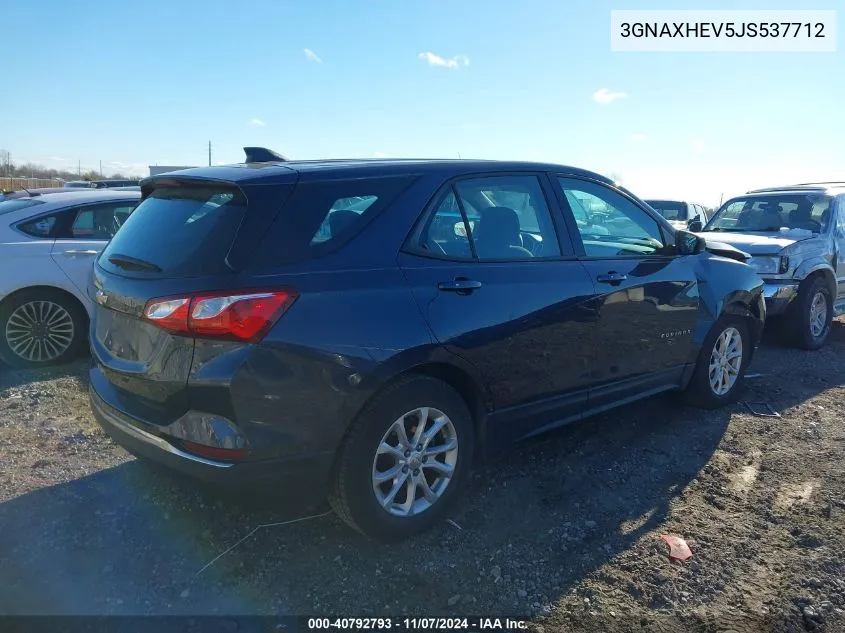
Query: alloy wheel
x=415 y=461
x=818 y=314
x=725 y=361
x=39 y=331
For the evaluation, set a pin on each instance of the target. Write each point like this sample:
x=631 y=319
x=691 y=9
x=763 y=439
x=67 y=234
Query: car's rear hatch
x=187 y=237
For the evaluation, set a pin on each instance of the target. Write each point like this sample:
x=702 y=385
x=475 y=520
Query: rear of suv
x=364 y=328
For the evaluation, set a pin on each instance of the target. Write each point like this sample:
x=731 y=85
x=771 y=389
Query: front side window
x=609 y=224
x=772 y=213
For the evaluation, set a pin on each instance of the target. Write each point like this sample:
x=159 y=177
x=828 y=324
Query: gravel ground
x=563 y=529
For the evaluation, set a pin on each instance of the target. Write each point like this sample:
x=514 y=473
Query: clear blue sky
x=138 y=83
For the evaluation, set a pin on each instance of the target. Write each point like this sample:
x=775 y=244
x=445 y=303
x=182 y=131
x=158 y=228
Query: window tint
x=7 y=206
x=322 y=215
x=609 y=224
x=344 y=208
x=40 y=227
x=446 y=233
x=99 y=222
x=508 y=217
x=183 y=230
x=771 y=213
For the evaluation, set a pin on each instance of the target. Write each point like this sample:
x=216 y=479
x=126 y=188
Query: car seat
x=497 y=235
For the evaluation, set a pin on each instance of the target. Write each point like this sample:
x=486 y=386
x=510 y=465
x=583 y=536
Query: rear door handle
x=74 y=253
x=611 y=278
x=459 y=285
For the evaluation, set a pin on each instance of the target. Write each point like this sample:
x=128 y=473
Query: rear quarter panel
x=346 y=334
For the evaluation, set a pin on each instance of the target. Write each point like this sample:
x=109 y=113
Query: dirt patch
x=563 y=530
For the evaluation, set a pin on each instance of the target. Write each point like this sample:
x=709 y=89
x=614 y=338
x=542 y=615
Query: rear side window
x=99 y=222
x=178 y=230
x=321 y=216
x=39 y=227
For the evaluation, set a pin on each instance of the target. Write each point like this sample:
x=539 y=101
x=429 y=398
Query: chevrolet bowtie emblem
x=101 y=297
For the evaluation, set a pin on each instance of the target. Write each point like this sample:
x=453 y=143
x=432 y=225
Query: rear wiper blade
x=126 y=261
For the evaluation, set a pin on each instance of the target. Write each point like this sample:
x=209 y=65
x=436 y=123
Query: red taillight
x=235 y=315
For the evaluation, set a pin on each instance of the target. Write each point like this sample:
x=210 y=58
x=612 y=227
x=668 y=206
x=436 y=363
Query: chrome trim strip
x=149 y=438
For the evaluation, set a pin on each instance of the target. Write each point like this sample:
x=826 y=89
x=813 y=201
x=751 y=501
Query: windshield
x=771 y=213
x=669 y=209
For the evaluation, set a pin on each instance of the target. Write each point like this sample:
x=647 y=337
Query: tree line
x=32 y=170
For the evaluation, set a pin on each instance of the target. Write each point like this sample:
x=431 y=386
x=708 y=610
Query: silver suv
x=796 y=238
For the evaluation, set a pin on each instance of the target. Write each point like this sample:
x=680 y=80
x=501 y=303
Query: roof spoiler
x=262 y=155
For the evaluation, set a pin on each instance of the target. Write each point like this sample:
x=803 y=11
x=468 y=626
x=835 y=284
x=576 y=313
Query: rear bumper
x=779 y=295
x=306 y=475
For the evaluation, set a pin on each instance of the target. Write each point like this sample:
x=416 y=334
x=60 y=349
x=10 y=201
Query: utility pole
x=79 y=168
x=101 y=169
x=209 y=153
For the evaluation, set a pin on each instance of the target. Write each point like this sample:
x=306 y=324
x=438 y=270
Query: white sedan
x=48 y=244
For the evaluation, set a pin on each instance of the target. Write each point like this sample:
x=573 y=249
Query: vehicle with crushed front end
x=796 y=238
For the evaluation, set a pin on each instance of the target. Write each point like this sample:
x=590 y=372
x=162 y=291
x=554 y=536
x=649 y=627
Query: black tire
x=351 y=492
x=699 y=392
x=78 y=317
x=798 y=316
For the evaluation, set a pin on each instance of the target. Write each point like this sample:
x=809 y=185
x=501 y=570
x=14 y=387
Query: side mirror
x=695 y=225
x=689 y=244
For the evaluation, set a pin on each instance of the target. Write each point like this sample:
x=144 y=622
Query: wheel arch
x=46 y=288
x=455 y=373
x=826 y=272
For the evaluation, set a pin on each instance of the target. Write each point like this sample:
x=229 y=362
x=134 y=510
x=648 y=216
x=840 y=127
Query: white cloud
x=638 y=137
x=698 y=145
x=605 y=96
x=435 y=60
x=380 y=155
x=256 y=122
x=312 y=55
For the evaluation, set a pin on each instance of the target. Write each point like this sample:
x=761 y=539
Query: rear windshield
x=771 y=213
x=321 y=216
x=669 y=209
x=7 y=206
x=180 y=230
